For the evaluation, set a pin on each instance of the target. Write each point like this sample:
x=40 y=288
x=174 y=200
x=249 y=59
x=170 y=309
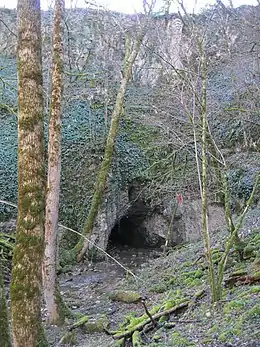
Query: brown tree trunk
x=54 y=316
x=204 y=178
x=101 y=181
x=26 y=275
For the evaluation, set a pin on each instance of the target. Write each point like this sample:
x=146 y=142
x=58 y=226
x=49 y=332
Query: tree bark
x=101 y=181
x=26 y=274
x=54 y=315
x=204 y=204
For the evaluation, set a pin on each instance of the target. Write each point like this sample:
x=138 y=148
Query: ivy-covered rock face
x=8 y=163
x=8 y=100
x=155 y=144
x=8 y=130
x=83 y=140
x=241 y=182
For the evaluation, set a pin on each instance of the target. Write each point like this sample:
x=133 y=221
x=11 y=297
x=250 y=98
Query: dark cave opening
x=132 y=229
x=129 y=232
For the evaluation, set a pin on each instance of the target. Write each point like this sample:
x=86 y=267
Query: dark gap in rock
x=131 y=230
x=128 y=232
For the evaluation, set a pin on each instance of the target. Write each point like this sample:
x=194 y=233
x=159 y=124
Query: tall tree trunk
x=101 y=181
x=4 y=323
x=204 y=226
x=26 y=277
x=54 y=167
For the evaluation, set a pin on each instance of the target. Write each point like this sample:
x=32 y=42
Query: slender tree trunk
x=26 y=277
x=54 y=315
x=101 y=181
x=205 y=231
x=4 y=323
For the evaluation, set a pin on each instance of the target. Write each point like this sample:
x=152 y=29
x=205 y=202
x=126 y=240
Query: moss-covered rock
x=159 y=287
x=229 y=334
x=95 y=325
x=254 y=313
x=125 y=296
x=255 y=267
x=249 y=252
x=192 y=282
x=234 y=306
x=254 y=289
x=119 y=343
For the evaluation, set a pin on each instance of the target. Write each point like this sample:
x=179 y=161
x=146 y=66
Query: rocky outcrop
x=133 y=223
x=112 y=210
x=186 y=224
x=94 y=53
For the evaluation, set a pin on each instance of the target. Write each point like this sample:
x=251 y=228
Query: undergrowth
x=182 y=275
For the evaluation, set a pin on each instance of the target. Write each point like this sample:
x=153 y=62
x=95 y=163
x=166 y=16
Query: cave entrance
x=128 y=232
x=132 y=229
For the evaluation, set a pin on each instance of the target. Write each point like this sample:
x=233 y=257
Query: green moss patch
x=234 y=306
x=95 y=325
x=125 y=296
x=177 y=339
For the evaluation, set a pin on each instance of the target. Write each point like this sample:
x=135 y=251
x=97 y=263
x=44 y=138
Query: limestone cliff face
x=163 y=40
x=154 y=124
x=94 y=43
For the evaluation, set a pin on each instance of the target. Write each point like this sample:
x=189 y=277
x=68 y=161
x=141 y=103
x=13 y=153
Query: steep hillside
x=151 y=287
x=155 y=147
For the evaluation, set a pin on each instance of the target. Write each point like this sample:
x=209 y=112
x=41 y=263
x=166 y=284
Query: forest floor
x=166 y=281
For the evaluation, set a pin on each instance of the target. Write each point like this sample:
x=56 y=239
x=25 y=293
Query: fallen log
x=242 y=280
x=140 y=326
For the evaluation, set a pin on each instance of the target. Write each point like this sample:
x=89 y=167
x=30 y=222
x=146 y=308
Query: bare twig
x=7 y=27
x=147 y=312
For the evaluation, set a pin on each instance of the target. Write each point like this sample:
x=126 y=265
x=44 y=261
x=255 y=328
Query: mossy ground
x=235 y=319
x=168 y=281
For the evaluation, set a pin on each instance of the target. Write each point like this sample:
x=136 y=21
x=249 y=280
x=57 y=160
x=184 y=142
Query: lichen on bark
x=53 y=300
x=26 y=274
